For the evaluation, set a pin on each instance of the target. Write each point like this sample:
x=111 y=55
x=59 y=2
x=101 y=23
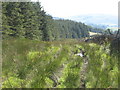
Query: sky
x=67 y=8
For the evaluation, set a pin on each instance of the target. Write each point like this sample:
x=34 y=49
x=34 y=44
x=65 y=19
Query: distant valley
x=97 y=20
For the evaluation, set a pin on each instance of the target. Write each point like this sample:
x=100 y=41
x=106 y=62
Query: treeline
x=71 y=29
x=96 y=30
x=23 y=19
x=29 y=20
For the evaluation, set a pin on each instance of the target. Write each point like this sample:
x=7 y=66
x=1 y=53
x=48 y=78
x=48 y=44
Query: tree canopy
x=29 y=20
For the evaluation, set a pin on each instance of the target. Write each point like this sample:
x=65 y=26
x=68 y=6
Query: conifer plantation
x=41 y=52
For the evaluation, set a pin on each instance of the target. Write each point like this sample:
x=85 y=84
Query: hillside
x=39 y=64
x=40 y=51
x=28 y=20
x=97 y=20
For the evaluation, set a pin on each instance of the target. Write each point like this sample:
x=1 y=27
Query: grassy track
x=39 y=64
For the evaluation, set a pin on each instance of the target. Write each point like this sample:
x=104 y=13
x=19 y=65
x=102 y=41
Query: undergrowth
x=31 y=64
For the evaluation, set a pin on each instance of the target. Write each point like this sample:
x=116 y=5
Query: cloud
x=66 y=8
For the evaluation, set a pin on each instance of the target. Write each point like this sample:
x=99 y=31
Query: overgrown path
x=83 y=72
x=60 y=64
x=57 y=75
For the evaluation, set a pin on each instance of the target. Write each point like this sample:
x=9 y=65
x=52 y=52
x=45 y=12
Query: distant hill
x=57 y=18
x=91 y=27
x=97 y=20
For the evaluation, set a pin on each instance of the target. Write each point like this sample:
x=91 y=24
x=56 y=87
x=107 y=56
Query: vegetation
x=29 y=20
x=40 y=64
x=40 y=52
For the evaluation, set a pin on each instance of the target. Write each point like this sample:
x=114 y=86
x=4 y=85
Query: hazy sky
x=66 y=8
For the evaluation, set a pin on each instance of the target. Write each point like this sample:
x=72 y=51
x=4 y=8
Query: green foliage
x=22 y=19
x=39 y=64
x=31 y=59
x=100 y=66
x=71 y=74
x=29 y=20
x=12 y=82
x=71 y=29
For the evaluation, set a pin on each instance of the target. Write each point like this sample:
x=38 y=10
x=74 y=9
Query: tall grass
x=34 y=64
